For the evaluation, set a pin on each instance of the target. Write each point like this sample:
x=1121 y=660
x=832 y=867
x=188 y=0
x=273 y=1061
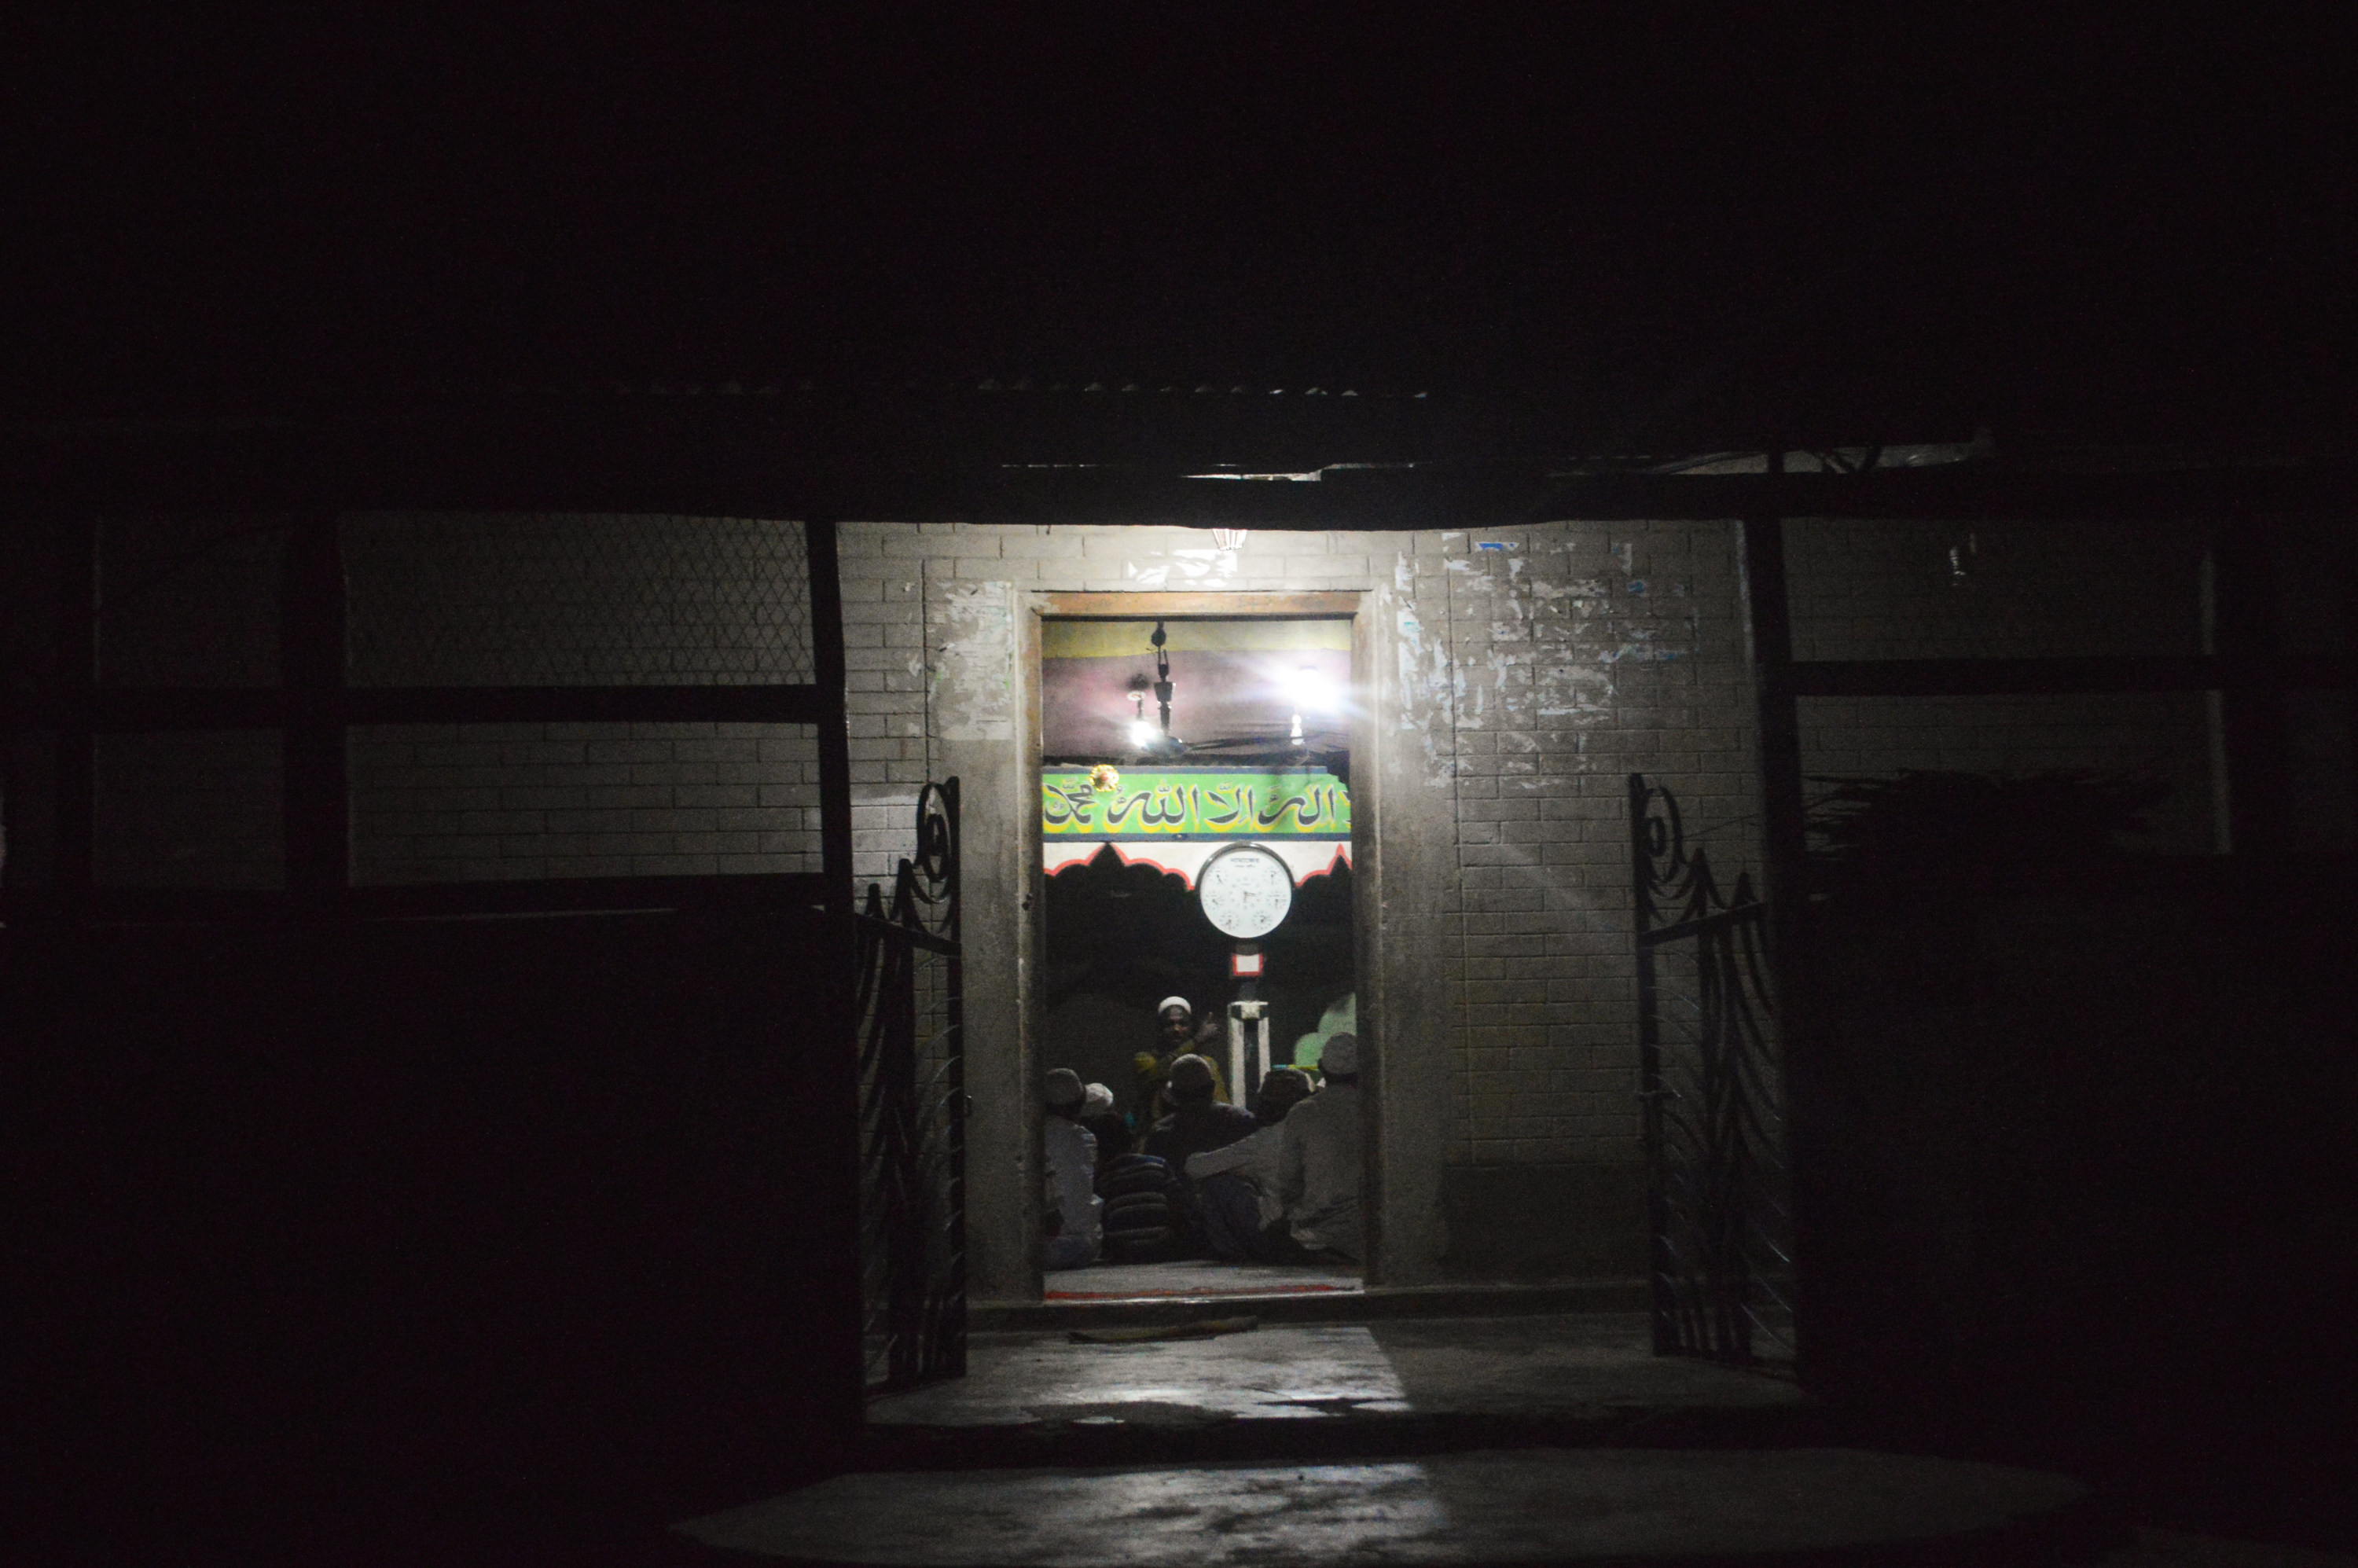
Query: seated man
x=1197 y=1122
x=1105 y=1125
x=1139 y=1209
x=1073 y=1219
x=1237 y=1187
x=1176 y=1034
x=1318 y=1157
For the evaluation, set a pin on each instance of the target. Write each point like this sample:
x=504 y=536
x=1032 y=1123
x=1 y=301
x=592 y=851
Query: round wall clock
x=1246 y=891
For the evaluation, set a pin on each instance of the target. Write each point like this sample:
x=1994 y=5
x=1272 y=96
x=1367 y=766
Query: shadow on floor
x=1565 y=1372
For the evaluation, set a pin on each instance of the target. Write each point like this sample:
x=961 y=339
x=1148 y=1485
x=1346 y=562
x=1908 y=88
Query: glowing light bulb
x=1141 y=733
x=1311 y=691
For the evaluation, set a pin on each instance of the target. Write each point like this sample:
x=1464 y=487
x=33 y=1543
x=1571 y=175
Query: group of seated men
x=1277 y=1184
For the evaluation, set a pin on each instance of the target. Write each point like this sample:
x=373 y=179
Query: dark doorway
x=1123 y=936
x=1159 y=712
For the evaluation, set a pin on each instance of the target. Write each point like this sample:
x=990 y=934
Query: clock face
x=1246 y=891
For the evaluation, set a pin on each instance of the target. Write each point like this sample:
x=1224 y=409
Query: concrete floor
x=1196 y=1277
x=1571 y=1367
x=1454 y=1441
x=1541 y=1504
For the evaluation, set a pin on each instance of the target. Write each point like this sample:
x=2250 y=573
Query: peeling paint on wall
x=1643 y=644
x=1427 y=689
x=972 y=686
x=1192 y=568
x=1554 y=640
x=1411 y=657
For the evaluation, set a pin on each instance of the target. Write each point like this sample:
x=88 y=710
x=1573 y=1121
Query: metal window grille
x=455 y=600
x=1717 y=1197
x=912 y=1108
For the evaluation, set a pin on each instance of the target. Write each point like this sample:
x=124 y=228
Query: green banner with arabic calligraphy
x=1195 y=803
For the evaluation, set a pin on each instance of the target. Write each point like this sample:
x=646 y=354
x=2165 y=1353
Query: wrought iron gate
x=912 y=1104
x=1714 y=1126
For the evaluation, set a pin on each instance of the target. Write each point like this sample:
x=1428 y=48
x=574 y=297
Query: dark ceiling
x=1902 y=228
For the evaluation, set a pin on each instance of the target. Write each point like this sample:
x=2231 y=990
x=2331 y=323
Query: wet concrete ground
x=1447 y=1441
x=1575 y=1368
x=1532 y=1506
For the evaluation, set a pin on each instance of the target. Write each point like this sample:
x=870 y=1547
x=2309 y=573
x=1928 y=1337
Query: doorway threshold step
x=1374 y=1304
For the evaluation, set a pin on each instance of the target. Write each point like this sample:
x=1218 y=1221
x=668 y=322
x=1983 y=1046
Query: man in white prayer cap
x=1174 y=1019
x=1075 y=1214
x=1318 y=1161
x=1105 y=1124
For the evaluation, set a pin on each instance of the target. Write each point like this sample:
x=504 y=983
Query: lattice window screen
x=515 y=599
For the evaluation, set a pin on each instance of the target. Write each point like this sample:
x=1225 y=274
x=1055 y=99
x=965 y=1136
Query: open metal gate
x=1717 y=1197
x=913 y=1108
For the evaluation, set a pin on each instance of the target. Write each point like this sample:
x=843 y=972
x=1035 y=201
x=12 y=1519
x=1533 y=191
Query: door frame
x=1044 y=606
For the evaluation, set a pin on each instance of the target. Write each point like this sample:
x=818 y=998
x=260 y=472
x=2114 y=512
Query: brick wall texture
x=471 y=802
x=461 y=599
x=1562 y=656
x=1558 y=659
x=1984 y=590
x=1925 y=591
x=527 y=600
x=469 y=600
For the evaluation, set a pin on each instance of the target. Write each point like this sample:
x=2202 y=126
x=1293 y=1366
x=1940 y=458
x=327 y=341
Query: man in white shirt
x=1318 y=1157
x=1075 y=1211
x=1236 y=1186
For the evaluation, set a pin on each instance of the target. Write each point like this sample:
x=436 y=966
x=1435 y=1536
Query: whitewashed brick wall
x=1583 y=652
x=456 y=803
x=1568 y=655
x=1563 y=656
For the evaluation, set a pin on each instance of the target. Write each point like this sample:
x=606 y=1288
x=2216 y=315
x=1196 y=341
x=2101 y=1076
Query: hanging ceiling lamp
x=1143 y=734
